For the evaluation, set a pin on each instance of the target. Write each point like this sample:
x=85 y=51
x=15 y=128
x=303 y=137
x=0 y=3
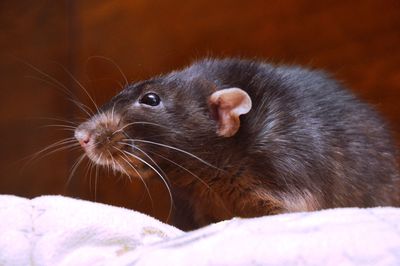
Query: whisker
x=93 y=165
x=53 y=145
x=137 y=123
x=151 y=159
x=70 y=147
x=57 y=119
x=108 y=166
x=182 y=167
x=142 y=160
x=67 y=129
x=98 y=160
x=47 y=152
x=112 y=161
x=74 y=168
x=52 y=81
x=115 y=64
x=57 y=84
x=121 y=176
x=61 y=87
x=97 y=176
x=158 y=173
x=173 y=148
x=128 y=138
x=88 y=166
x=208 y=186
x=64 y=129
x=59 y=125
x=86 y=109
x=64 y=89
x=141 y=178
x=80 y=85
x=112 y=112
x=201 y=180
x=124 y=172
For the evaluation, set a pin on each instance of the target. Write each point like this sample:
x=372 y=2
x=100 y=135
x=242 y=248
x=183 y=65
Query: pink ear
x=228 y=105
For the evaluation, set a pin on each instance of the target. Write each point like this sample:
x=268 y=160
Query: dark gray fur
x=305 y=132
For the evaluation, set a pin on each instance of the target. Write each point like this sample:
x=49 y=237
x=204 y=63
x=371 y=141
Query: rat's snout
x=95 y=137
x=101 y=137
x=83 y=136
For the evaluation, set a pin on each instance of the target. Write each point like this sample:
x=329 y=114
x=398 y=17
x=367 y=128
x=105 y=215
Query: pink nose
x=83 y=137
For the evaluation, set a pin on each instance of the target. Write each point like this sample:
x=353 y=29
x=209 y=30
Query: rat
x=245 y=138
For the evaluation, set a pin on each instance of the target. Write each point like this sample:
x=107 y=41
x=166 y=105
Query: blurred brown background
x=357 y=41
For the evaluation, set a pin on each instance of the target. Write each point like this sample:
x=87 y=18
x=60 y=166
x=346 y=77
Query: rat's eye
x=151 y=99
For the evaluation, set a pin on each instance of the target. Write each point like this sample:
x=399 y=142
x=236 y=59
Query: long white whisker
x=52 y=81
x=80 y=85
x=182 y=167
x=97 y=176
x=201 y=180
x=88 y=166
x=59 y=125
x=93 y=165
x=115 y=64
x=98 y=160
x=71 y=147
x=60 y=142
x=65 y=129
x=141 y=178
x=151 y=159
x=124 y=171
x=86 y=109
x=108 y=166
x=44 y=153
x=172 y=148
x=210 y=189
x=112 y=112
x=57 y=119
x=137 y=123
x=64 y=89
x=112 y=161
x=51 y=146
x=74 y=168
x=158 y=173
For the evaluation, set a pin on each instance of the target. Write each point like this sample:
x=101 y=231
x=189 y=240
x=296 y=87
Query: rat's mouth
x=105 y=143
x=121 y=158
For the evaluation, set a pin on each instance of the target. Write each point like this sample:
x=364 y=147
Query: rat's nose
x=83 y=137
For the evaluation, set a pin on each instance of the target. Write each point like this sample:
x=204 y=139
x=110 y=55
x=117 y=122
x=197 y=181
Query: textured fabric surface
x=55 y=230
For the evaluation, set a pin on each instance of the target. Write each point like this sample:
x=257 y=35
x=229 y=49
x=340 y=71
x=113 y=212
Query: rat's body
x=302 y=142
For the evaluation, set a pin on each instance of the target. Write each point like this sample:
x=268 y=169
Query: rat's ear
x=227 y=105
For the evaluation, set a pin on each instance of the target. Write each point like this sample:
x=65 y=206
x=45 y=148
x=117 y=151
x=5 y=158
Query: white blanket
x=55 y=230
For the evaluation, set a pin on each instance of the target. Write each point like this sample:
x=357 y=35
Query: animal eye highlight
x=151 y=99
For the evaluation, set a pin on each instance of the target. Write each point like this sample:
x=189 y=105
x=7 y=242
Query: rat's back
x=311 y=135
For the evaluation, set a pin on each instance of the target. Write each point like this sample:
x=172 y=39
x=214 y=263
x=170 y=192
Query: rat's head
x=162 y=118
